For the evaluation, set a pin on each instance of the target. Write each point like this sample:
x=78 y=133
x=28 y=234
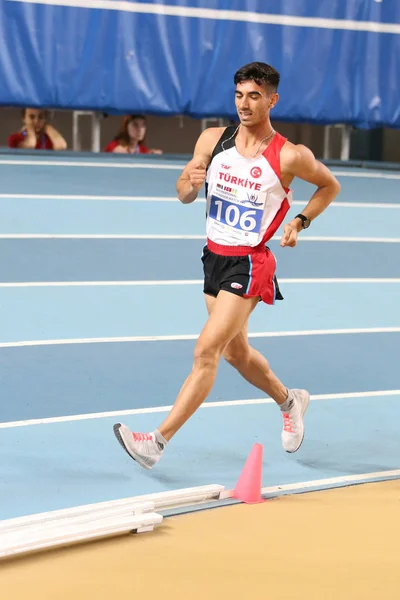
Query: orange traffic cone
x=248 y=487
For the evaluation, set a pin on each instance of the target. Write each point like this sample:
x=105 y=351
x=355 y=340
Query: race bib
x=243 y=217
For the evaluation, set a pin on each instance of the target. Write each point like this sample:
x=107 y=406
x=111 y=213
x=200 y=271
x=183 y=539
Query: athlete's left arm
x=299 y=161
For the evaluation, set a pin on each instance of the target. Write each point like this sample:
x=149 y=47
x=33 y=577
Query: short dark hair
x=260 y=73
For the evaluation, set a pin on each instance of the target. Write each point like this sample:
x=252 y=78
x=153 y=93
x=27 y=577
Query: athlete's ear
x=273 y=100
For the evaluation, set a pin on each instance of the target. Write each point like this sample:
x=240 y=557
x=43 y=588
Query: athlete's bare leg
x=250 y=363
x=229 y=316
x=225 y=333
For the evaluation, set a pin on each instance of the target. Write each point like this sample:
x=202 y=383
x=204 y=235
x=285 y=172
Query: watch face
x=306 y=223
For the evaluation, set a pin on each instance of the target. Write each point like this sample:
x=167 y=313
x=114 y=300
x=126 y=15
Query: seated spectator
x=36 y=132
x=130 y=139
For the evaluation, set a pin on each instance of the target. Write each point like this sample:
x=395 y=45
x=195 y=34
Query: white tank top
x=246 y=202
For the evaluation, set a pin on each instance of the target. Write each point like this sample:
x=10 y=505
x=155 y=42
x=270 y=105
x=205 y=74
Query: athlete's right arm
x=194 y=174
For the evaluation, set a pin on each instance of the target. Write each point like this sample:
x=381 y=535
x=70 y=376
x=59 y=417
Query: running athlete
x=247 y=172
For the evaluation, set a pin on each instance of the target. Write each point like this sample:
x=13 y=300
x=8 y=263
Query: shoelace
x=142 y=437
x=287 y=423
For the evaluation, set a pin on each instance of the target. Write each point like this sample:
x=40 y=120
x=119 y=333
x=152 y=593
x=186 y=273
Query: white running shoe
x=293 y=421
x=142 y=447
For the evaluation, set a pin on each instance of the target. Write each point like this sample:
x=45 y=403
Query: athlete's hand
x=290 y=234
x=197 y=175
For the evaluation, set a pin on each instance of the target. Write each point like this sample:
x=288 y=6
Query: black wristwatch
x=305 y=221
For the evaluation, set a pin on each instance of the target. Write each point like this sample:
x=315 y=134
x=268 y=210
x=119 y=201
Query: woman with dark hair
x=36 y=132
x=130 y=139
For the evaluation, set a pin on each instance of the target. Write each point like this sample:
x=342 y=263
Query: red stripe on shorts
x=262 y=277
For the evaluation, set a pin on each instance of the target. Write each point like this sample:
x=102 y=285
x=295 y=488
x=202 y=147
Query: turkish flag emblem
x=256 y=172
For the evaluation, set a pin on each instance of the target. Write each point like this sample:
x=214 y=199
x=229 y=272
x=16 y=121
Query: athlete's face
x=253 y=102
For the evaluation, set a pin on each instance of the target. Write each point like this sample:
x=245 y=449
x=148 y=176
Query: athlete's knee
x=207 y=354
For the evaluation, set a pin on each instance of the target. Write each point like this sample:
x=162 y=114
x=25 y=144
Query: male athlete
x=247 y=171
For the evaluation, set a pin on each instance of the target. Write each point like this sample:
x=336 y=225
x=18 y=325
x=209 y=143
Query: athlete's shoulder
x=292 y=155
x=206 y=143
x=291 y=150
x=299 y=161
x=211 y=134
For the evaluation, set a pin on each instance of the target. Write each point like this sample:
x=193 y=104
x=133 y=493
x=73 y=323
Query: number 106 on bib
x=235 y=215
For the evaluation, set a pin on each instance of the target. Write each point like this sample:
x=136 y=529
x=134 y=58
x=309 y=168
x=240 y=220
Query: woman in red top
x=130 y=137
x=36 y=132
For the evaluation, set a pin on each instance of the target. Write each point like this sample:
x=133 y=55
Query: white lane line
x=188 y=337
x=151 y=236
x=355 y=204
x=163 y=409
x=100 y=283
x=96 y=165
x=327 y=238
x=96 y=198
x=82 y=197
x=315 y=280
x=97 y=236
x=367 y=175
x=341 y=280
x=224 y=15
x=328 y=482
x=99 y=164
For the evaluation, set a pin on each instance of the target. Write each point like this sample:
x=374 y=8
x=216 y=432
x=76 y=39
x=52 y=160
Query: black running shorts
x=248 y=276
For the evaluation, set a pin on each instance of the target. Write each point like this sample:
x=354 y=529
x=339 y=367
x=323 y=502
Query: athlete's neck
x=252 y=135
